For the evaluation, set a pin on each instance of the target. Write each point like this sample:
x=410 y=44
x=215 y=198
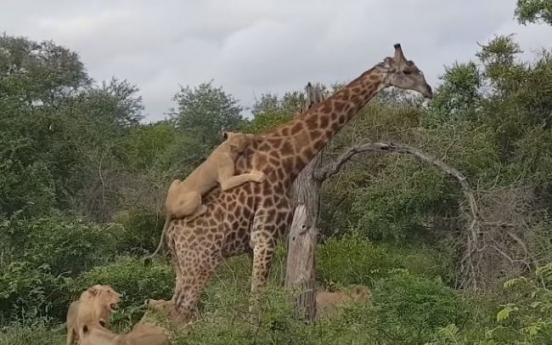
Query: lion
x=184 y=197
x=326 y=302
x=141 y=334
x=96 y=304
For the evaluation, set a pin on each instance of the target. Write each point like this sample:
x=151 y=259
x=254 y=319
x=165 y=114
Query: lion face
x=160 y=305
x=238 y=142
x=105 y=296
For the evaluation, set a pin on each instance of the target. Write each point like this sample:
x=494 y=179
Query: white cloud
x=251 y=47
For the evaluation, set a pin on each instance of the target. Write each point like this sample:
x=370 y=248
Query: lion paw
x=258 y=176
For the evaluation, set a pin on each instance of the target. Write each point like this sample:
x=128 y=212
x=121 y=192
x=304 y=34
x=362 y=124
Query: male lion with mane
x=95 y=305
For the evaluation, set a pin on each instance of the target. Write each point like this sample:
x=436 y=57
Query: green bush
x=141 y=231
x=31 y=294
x=352 y=259
x=64 y=246
x=409 y=309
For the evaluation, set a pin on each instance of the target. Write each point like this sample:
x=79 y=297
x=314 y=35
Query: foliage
x=412 y=308
x=534 y=11
x=30 y=295
x=352 y=259
x=83 y=181
x=204 y=112
x=63 y=246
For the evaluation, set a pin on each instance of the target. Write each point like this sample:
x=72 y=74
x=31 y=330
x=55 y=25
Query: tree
x=534 y=11
x=204 y=112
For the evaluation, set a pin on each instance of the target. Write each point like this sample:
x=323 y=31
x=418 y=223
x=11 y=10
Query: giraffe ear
x=389 y=64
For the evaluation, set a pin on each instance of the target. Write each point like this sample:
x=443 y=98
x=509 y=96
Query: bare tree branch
x=470 y=263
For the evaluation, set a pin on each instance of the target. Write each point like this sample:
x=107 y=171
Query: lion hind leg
x=186 y=205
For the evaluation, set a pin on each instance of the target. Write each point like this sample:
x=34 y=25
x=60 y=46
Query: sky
x=251 y=47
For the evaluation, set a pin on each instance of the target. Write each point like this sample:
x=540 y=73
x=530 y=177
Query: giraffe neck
x=309 y=132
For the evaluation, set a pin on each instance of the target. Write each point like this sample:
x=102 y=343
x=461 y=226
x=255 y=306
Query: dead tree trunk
x=303 y=235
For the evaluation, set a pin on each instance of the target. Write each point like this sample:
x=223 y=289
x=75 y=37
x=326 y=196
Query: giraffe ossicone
x=252 y=218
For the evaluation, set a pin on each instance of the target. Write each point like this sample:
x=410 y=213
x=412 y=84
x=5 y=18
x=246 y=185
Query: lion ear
x=224 y=135
x=93 y=290
x=235 y=147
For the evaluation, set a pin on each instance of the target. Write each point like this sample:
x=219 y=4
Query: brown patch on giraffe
x=335 y=126
x=319 y=145
x=355 y=99
x=285 y=131
x=241 y=198
x=339 y=105
x=274 y=154
x=301 y=159
x=314 y=135
x=273 y=161
x=374 y=77
x=267 y=202
x=357 y=89
x=326 y=108
x=324 y=121
x=298 y=127
x=264 y=146
x=307 y=152
x=312 y=121
x=334 y=116
x=287 y=149
x=346 y=94
x=275 y=142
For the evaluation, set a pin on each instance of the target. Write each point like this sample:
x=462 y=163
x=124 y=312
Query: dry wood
x=303 y=235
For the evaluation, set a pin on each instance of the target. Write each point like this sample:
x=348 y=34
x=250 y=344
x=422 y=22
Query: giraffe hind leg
x=194 y=280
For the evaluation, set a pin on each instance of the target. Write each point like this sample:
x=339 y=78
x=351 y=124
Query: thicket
x=82 y=182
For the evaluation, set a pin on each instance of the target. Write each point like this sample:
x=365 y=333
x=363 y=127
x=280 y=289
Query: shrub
x=64 y=246
x=141 y=231
x=352 y=260
x=409 y=309
x=31 y=294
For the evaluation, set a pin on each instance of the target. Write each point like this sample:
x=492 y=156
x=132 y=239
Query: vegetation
x=82 y=183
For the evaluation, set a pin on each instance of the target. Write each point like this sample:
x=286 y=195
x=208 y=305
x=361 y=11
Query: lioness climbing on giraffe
x=184 y=197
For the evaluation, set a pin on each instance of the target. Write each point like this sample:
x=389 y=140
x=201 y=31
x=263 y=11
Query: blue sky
x=251 y=47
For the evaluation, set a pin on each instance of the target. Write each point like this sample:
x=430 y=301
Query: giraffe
x=251 y=219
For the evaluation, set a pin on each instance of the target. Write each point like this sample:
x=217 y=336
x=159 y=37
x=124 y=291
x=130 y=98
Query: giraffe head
x=403 y=73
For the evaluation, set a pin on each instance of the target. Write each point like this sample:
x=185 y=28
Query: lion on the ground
x=184 y=198
x=95 y=305
x=327 y=302
x=141 y=334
